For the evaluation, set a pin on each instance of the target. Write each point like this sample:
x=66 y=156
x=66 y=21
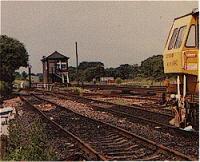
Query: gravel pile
x=14 y=102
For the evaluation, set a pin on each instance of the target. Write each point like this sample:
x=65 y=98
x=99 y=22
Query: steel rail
x=130 y=116
x=84 y=146
x=127 y=134
x=108 y=103
x=137 y=107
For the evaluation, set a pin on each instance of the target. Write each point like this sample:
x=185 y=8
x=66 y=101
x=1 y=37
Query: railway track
x=136 y=110
x=163 y=127
x=76 y=149
x=109 y=142
x=158 y=89
x=151 y=104
x=142 y=91
x=56 y=138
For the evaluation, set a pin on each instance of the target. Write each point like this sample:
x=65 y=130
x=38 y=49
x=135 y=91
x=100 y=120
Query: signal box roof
x=55 y=56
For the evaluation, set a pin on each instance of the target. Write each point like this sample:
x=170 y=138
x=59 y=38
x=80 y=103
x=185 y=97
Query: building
x=107 y=79
x=55 y=68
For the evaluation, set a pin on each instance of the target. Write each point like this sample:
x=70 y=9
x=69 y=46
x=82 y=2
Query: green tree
x=17 y=75
x=89 y=74
x=13 y=55
x=153 y=67
x=24 y=75
x=90 y=70
x=4 y=88
x=85 y=65
x=124 y=71
x=72 y=73
x=110 y=72
x=134 y=72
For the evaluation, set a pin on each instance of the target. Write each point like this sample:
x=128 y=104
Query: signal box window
x=197 y=35
x=173 y=39
x=63 y=66
x=191 y=41
x=179 y=38
x=57 y=66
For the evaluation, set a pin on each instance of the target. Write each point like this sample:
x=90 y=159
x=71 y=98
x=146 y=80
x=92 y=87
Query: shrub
x=30 y=144
x=118 y=80
x=78 y=91
x=4 y=88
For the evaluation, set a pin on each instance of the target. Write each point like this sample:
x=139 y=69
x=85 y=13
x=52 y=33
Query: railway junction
x=89 y=128
x=97 y=118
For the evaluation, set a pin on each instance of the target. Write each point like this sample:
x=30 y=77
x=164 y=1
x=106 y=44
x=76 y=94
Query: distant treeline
x=24 y=75
x=151 y=68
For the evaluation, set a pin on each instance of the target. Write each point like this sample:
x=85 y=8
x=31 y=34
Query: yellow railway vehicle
x=180 y=57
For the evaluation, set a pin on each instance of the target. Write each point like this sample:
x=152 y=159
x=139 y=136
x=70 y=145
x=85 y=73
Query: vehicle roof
x=194 y=12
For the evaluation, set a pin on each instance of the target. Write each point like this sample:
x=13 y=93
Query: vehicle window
x=173 y=39
x=191 y=40
x=197 y=34
x=179 y=38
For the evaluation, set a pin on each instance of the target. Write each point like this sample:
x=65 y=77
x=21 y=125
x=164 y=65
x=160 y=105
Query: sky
x=111 y=32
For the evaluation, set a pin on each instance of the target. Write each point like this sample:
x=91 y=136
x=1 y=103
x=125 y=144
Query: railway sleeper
x=111 y=137
x=116 y=149
x=128 y=152
x=117 y=140
x=146 y=143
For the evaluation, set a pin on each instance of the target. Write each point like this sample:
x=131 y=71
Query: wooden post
x=47 y=70
x=77 y=77
x=29 y=74
x=3 y=146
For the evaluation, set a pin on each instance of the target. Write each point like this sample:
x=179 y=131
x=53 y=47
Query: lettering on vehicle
x=170 y=55
x=172 y=63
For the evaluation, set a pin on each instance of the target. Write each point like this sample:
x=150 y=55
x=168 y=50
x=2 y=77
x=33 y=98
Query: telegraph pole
x=29 y=74
x=1 y=84
x=77 y=77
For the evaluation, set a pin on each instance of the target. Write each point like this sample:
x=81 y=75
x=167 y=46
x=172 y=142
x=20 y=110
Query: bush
x=4 y=88
x=76 y=90
x=30 y=144
x=118 y=80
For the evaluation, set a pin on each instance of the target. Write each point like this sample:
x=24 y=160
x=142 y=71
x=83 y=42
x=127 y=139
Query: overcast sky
x=111 y=32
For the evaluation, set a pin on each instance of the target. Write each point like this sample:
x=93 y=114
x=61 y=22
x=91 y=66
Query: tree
x=110 y=72
x=84 y=65
x=124 y=71
x=153 y=67
x=24 y=75
x=89 y=74
x=72 y=73
x=90 y=70
x=40 y=75
x=135 y=71
x=13 y=55
x=17 y=75
x=4 y=89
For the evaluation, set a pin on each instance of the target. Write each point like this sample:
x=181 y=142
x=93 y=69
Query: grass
x=118 y=101
x=75 y=90
x=28 y=143
x=144 y=82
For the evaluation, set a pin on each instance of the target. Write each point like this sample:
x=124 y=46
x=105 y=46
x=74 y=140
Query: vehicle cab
x=181 y=50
